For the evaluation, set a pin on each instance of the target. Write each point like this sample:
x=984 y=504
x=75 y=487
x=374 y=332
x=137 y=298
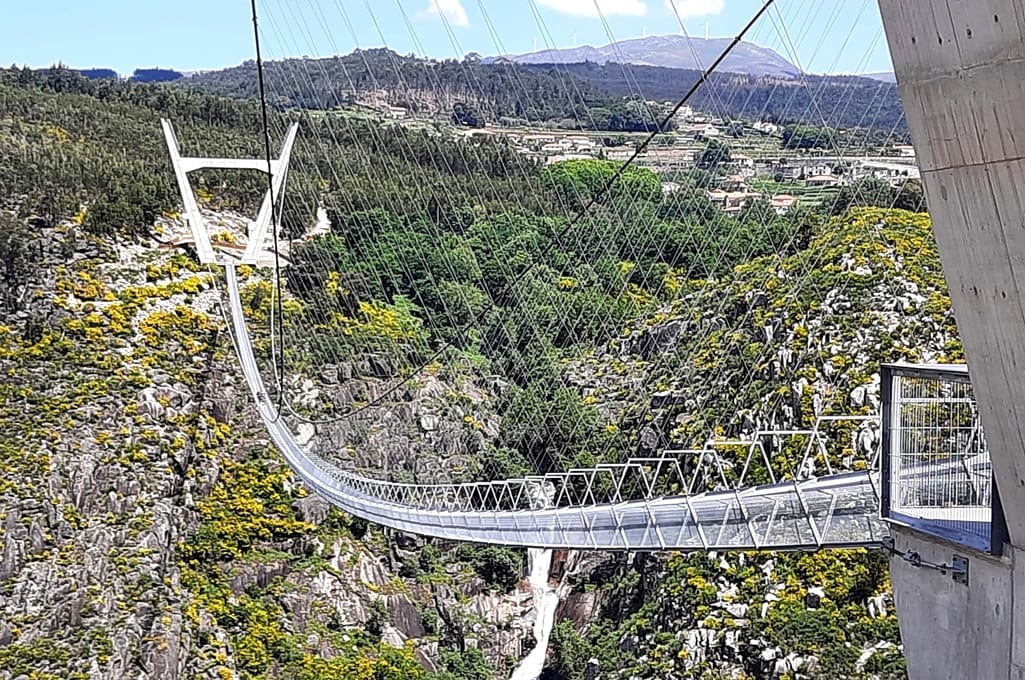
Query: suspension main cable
x=278 y=365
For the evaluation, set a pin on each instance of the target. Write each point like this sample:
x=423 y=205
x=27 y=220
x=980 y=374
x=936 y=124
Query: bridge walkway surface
x=831 y=511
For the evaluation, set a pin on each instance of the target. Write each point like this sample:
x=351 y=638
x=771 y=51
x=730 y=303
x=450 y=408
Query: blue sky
x=824 y=36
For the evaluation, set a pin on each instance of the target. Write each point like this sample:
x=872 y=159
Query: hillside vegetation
x=846 y=102
x=498 y=90
x=148 y=528
x=573 y=94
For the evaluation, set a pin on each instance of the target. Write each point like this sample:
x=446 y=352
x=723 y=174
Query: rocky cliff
x=147 y=529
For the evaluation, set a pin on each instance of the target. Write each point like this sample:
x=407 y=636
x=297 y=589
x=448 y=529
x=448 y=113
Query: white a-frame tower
x=278 y=170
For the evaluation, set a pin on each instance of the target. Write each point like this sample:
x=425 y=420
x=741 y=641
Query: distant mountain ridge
x=669 y=51
x=884 y=76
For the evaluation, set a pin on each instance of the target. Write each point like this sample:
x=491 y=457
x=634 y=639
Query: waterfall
x=545 y=602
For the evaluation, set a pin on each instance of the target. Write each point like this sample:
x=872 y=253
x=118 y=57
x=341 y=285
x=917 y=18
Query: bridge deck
x=832 y=511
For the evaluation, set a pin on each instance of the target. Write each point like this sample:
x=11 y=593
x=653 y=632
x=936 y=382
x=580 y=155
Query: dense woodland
x=587 y=95
x=473 y=237
x=498 y=90
x=470 y=249
x=68 y=140
x=847 y=102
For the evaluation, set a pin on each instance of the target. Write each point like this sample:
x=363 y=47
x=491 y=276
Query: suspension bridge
x=685 y=500
x=624 y=506
x=729 y=494
x=592 y=508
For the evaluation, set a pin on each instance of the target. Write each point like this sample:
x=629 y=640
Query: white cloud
x=452 y=10
x=687 y=9
x=594 y=8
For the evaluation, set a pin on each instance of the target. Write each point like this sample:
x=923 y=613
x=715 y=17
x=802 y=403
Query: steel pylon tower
x=183 y=165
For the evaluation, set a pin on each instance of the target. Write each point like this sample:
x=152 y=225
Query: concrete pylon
x=960 y=66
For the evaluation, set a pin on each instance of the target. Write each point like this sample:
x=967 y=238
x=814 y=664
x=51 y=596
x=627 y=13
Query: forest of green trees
x=74 y=147
x=496 y=90
x=846 y=102
x=588 y=96
x=66 y=140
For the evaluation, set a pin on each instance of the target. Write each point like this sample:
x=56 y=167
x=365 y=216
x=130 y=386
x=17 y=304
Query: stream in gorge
x=545 y=602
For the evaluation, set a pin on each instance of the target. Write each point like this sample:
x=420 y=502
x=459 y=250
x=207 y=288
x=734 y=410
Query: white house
x=782 y=203
x=816 y=169
x=822 y=181
x=767 y=128
x=731 y=202
x=702 y=130
x=683 y=115
x=743 y=161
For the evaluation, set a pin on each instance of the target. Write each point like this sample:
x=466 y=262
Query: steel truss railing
x=683 y=500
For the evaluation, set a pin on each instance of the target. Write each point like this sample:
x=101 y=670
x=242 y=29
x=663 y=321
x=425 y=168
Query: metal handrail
x=931 y=434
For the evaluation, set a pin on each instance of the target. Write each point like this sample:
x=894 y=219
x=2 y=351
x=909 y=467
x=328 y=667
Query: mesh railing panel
x=938 y=474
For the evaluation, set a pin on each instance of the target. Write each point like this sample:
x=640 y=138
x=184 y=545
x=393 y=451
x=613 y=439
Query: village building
x=782 y=203
x=822 y=181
